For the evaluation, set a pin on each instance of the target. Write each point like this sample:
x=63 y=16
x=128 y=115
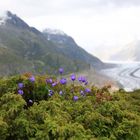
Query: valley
x=69 y=70
x=126 y=74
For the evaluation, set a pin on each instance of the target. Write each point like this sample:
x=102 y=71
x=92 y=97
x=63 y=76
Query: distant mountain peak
x=7 y=17
x=59 y=37
x=129 y=52
x=54 y=32
x=4 y=16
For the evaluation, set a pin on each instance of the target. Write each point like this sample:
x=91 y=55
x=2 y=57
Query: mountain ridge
x=26 y=46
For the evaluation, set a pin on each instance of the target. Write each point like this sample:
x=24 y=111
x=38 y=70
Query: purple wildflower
x=32 y=79
x=86 y=82
x=20 y=85
x=61 y=70
x=63 y=81
x=82 y=93
x=50 y=81
x=51 y=92
x=80 y=79
x=83 y=79
x=20 y=92
x=30 y=101
x=54 y=84
x=73 y=77
x=60 y=92
x=75 y=98
x=87 y=90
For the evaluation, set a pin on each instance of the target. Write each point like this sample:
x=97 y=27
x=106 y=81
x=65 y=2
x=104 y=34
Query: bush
x=36 y=110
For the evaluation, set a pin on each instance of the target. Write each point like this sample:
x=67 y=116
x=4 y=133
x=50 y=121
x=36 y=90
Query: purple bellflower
x=60 y=92
x=73 y=77
x=82 y=93
x=50 y=81
x=20 y=85
x=32 y=79
x=83 y=79
x=20 y=92
x=54 y=84
x=30 y=101
x=87 y=90
x=61 y=70
x=63 y=81
x=75 y=98
x=80 y=79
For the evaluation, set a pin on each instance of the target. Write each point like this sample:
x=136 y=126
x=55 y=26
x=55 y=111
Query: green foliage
x=97 y=115
x=3 y=129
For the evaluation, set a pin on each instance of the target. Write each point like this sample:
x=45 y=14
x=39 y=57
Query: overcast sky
x=99 y=26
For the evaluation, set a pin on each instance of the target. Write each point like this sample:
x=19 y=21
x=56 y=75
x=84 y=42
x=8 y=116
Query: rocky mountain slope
x=24 y=48
x=68 y=46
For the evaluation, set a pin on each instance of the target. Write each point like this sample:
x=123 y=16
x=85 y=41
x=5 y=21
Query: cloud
x=127 y=3
x=43 y=7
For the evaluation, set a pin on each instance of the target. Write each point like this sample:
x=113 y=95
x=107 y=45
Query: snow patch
x=3 y=17
x=54 y=31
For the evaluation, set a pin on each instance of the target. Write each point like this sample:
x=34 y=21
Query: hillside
x=68 y=46
x=24 y=48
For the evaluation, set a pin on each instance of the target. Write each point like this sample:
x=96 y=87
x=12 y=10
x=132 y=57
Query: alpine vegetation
x=49 y=108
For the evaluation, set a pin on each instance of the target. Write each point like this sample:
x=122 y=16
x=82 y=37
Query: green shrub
x=96 y=115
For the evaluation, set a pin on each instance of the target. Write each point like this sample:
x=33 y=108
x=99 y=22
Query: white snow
x=137 y=73
x=54 y=31
x=127 y=74
x=3 y=17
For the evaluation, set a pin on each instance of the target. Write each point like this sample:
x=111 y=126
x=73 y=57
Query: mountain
x=68 y=46
x=130 y=52
x=24 y=48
